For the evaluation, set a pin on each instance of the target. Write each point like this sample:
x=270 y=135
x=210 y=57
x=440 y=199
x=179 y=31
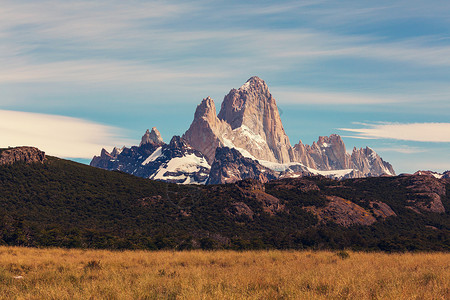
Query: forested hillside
x=66 y=204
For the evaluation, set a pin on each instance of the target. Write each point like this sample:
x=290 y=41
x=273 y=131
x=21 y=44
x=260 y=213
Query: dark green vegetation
x=65 y=204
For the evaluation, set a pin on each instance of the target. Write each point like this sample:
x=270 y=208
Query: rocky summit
x=152 y=137
x=246 y=139
x=21 y=154
x=248 y=121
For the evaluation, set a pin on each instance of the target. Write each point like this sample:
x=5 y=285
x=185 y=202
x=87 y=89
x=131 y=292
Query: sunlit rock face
x=248 y=121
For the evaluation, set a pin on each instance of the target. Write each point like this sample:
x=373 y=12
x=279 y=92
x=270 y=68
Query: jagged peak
x=252 y=82
x=251 y=105
x=206 y=108
x=231 y=154
x=152 y=137
x=178 y=142
x=104 y=153
x=332 y=139
x=299 y=144
x=430 y=174
x=254 y=85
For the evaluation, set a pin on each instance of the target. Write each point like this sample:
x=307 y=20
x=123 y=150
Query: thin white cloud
x=57 y=135
x=310 y=97
x=418 y=132
x=94 y=71
x=416 y=51
x=404 y=149
x=263 y=9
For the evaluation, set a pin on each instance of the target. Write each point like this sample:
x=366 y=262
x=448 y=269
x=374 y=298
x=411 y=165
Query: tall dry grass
x=98 y=274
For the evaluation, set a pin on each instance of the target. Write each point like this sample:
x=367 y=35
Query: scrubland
x=30 y=273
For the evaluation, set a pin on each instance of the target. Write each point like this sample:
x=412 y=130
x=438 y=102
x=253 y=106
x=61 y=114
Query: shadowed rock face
x=230 y=166
x=21 y=154
x=176 y=162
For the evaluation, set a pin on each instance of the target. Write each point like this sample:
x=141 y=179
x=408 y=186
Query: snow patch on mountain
x=245 y=86
x=332 y=173
x=188 y=164
x=154 y=156
x=279 y=167
x=229 y=144
x=251 y=135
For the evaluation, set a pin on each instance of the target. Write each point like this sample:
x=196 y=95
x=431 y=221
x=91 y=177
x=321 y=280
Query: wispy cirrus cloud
x=324 y=98
x=95 y=71
x=129 y=38
x=404 y=149
x=417 y=132
x=57 y=135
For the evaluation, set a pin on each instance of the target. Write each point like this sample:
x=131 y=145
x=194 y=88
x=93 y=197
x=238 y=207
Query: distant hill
x=55 y=202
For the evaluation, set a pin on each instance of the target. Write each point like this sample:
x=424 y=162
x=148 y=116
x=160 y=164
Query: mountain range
x=249 y=130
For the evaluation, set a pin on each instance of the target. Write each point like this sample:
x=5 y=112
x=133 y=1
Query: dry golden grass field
x=27 y=273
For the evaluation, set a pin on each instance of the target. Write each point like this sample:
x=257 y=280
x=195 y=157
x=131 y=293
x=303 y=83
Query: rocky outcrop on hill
x=342 y=212
x=230 y=166
x=381 y=209
x=426 y=192
x=21 y=154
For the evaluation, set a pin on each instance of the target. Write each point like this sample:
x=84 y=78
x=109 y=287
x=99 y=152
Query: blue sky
x=77 y=76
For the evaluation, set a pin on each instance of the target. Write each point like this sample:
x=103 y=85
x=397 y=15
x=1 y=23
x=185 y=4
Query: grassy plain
x=28 y=273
